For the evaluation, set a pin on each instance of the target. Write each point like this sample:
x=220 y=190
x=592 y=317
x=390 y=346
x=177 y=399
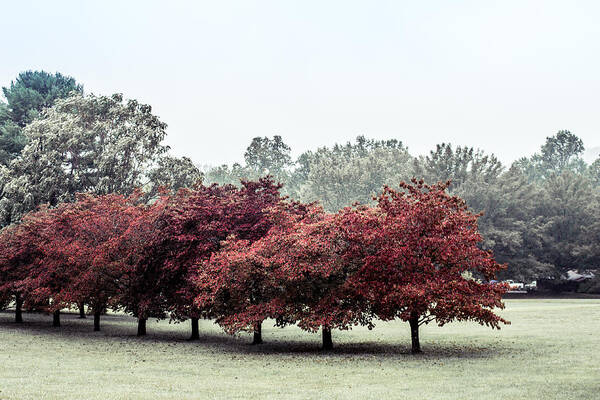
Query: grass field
x=551 y=351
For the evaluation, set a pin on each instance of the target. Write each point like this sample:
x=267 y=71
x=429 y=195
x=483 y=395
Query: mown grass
x=551 y=351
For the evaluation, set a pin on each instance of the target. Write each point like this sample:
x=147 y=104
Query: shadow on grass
x=119 y=328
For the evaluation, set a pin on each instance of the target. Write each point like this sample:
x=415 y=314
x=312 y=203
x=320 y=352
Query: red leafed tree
x=140 y=287
x=18 y=254
x=56 y=257
x=235 y=286
x=165 y=245
x=297 y=273
x=319 y=267
x=96 y=221
x=53 y=266
x=192 y=226
x=196 y=223
x=12 y=269
x=419 y=246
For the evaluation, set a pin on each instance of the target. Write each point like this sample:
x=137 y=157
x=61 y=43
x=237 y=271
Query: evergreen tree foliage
x=27 y=96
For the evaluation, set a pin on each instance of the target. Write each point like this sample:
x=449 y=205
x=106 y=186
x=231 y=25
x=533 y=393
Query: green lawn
x=551 y=351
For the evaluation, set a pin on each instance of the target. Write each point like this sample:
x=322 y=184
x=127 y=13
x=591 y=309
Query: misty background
x=497 y=75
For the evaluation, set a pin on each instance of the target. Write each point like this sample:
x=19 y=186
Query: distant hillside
x=591 y=154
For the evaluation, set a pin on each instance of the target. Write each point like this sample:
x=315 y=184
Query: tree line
x=541 y=215
x=97 y=212
x=241 y=255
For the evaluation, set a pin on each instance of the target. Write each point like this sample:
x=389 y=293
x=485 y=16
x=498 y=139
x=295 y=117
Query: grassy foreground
x=551 y=351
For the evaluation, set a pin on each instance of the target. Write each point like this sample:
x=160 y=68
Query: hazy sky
x=498 y=75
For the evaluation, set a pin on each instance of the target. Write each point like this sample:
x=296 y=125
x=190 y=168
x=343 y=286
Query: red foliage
x=298 y=273
x=18 y=253
x=97 y=221
x=130 y=253
x=196 y=223
x=242 y=255
x=52 y=266
x=167 y=244
x=405 y=258
x=420 y=243
x=57 y=256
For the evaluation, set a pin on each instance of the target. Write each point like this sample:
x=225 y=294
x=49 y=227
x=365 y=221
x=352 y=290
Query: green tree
x=458 y=165
x=511 y=225
x=566 y=218
x=594 y=172
x=172 y=173
x=354 y=172
x=26 y=97
x=559 y=153
x=12 y=139
x=94 y=144
x=226 y=175
x=266 y=156
x=569 y=210
x=587 y=248
x=33 y=91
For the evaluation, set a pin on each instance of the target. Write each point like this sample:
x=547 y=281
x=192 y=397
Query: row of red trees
x=243 y=255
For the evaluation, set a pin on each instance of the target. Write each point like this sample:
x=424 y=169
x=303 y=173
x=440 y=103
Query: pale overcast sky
x=498 y=75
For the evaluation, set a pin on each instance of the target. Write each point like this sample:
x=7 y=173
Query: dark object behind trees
x=556 y=286
x=590 y=286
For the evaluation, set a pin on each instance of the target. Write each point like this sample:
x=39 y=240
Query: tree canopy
x=27 y=96
x=92 y=144
x=243 y=254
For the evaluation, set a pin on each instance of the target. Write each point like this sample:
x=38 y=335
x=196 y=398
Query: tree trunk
x=56 y=318
x=81 y=310
x=414 y=334
x=257 y=333
x=18 y=309
x=327 y=341
x=141 y=327
x=195 y=330
x=96 y=321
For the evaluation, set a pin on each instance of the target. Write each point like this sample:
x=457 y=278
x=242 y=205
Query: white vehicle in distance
x=512 y=285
